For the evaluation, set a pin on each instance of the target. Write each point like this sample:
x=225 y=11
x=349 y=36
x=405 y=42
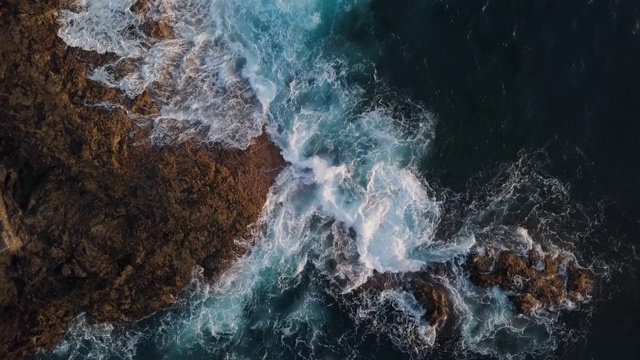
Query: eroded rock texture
x=534 y=281
x=432 y=296
x=108 y=223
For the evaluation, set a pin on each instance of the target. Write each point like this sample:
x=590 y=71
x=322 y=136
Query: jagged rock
x=158 y=29
x=434 y=299
x=423 y=285
x=431 y=295
x=534 y=281
x=110 y=224
x=579 y=282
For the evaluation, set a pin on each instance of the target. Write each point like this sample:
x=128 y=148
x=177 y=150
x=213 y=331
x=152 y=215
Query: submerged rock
x=535 y=281
x=108 y=224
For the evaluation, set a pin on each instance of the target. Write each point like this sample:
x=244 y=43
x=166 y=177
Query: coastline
x=114 y=225
x=111 y=225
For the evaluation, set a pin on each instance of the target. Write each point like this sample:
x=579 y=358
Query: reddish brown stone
x=434 y=299
x=531 y=287
x=580 y=282
x=111 y=225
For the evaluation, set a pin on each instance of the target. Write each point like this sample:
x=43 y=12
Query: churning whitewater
x=352 y=202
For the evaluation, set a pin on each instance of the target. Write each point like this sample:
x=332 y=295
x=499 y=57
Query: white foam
x=103 y=26
x=394 y=219
x=351 y=179
x=410 y=330
x=107 y=341
x=194 y=77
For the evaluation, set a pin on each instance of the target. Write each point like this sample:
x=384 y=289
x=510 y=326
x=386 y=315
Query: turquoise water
x=356 y=198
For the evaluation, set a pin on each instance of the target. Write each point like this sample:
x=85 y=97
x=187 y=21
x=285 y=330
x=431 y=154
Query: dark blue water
x=504 y=76
x=414 y=129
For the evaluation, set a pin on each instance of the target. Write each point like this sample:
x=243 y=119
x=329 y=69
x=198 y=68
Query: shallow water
x=414 y=131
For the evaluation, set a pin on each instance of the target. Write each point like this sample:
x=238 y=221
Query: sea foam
x=351 y=203
x=196 y=78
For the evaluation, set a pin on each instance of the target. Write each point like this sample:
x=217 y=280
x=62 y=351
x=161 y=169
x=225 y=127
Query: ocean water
x=415 y=131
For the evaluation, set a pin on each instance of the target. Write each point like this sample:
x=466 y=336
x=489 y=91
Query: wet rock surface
x=432 y=296
x=108 y=224
x=160 y=28
x=424 y=285
x=536 y=281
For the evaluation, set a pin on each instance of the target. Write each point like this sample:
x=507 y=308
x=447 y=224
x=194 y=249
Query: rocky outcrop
x=434 y=298
x=428 y=292
x=425 y=286
x=96 y=218
x=158 y=29
x=534 y=282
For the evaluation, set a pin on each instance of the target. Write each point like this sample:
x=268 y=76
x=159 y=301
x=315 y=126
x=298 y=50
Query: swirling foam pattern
x=353 y=146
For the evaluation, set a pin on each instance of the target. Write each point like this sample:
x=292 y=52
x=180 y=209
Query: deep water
x=562 y=76
x=415 y=130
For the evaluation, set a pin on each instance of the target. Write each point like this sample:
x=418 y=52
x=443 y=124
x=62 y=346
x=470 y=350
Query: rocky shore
x=533 y=282
x=94 y=218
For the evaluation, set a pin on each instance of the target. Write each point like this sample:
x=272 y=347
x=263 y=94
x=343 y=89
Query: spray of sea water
x=351 y=203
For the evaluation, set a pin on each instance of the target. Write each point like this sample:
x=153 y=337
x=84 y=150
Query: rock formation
x=94 y=218
x=428 y=292
x=534 y=282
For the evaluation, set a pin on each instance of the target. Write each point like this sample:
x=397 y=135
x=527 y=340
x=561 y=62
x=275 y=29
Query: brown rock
x=530 y=286
x=431 y=295
x=141 y=6
x=433 y=298
x=525 y=303
x=109 y=224
x=158 y=29
x=579 y=282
